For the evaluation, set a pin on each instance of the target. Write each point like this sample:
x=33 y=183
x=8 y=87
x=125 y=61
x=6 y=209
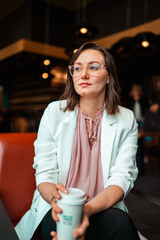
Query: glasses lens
x=78 y=69
x=75 y=70
x=94 y=69
x=71 y=69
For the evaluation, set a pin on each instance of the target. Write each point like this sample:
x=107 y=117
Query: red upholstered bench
x=17 y=179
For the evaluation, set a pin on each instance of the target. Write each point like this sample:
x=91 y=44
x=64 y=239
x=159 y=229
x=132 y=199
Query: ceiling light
x=75 y=50
x=145 y=44
x=45 y=75
x=83 y=30
x=46 y=62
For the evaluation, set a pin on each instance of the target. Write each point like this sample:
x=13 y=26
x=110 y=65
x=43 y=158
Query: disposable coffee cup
x=72 y=208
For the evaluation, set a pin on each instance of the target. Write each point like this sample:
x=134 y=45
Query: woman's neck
x=91 y=106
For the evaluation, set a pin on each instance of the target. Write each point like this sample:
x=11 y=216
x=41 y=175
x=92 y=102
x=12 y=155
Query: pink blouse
x=85 y=168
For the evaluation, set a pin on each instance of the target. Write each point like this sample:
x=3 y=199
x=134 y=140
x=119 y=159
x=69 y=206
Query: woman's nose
x=85 y=73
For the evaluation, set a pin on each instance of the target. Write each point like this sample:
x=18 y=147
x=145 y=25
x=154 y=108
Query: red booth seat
x=17 y=179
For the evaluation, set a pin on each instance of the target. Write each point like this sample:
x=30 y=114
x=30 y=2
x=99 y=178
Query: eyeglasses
x=93 y=69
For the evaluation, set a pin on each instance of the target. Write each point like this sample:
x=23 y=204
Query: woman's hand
x=79 y=232
x=56 y=195
x=54 y=235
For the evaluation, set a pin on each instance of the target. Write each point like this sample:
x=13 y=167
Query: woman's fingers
x=55 y=216
x=55 y=206
x=56 y=193
x=80 y=231
x=54 y=235
x=61 y=187
x=81 y=238
x=55 y=209
x=55 y=196
x=87 y=195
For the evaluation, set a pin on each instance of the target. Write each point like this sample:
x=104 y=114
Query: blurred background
x=37 y=38
x=33 y=31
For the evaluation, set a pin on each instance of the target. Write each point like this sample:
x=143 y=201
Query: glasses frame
x=70 y=67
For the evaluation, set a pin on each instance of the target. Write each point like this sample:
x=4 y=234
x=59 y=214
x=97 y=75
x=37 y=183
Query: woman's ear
x=108 y=80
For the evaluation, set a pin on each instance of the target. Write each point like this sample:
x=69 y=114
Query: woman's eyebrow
x=79 y=63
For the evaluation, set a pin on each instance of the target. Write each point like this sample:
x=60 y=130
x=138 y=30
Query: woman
x=90 y=142
x=137 y=102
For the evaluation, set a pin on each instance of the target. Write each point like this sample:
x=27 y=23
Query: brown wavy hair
x=112 y=96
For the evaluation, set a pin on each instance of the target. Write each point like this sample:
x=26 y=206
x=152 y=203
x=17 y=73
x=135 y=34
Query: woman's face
x=90 y=82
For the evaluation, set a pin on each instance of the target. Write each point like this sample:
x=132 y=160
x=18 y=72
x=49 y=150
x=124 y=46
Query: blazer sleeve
x=45 y=160
x=124 y=170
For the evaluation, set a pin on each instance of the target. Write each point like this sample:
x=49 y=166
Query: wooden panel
x=108 y=41
x=33 y=47
x=58 y=52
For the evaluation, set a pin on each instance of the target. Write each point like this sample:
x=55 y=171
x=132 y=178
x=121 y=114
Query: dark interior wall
x=36 y=20
x=108 y=16
x=117 y=15
x=16 y=26
x=153 y=9
x=61 y=20
x=38 y=23
x=50 y=23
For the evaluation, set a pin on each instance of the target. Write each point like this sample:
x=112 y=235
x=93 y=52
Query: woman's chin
x=85 y=94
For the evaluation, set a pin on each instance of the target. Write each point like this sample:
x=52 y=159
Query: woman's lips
x=85 y=84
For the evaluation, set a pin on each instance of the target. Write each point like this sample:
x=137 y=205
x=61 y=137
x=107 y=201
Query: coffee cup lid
x=74 y=196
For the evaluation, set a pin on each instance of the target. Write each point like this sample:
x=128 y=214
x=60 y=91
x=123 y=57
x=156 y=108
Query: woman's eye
x=77 y=69
x=94 y=67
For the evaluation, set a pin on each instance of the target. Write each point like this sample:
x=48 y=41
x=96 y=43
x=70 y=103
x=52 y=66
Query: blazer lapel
x=107 y=139
x=66 y=140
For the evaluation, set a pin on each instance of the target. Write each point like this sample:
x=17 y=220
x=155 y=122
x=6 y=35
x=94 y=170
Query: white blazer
x=53 y=149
